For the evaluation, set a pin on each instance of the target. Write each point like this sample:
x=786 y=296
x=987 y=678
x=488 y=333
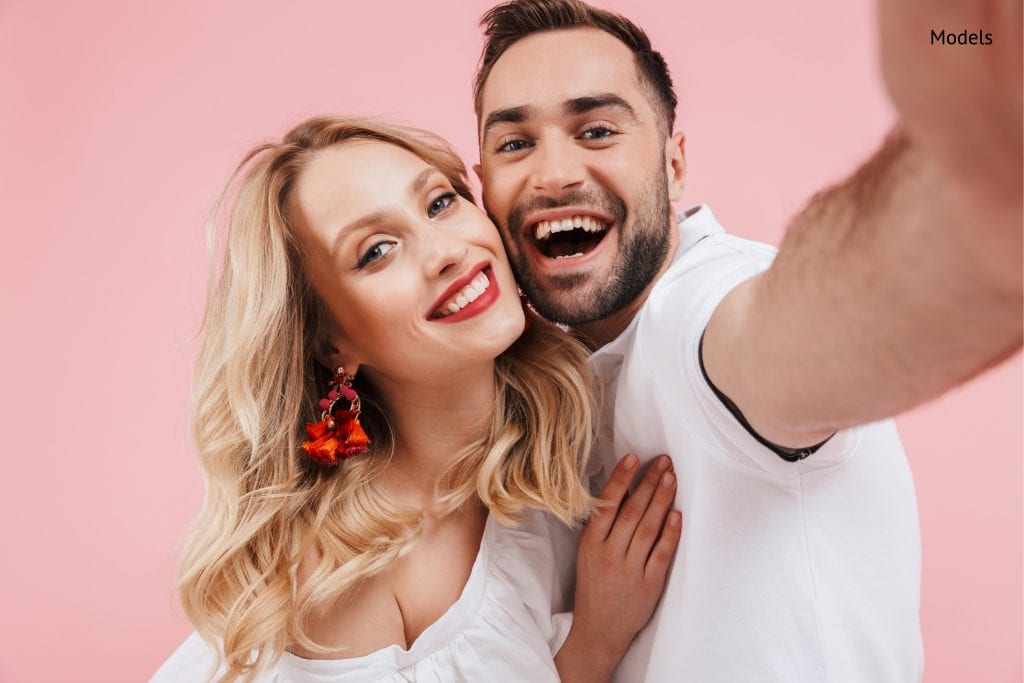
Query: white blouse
x=507 y=625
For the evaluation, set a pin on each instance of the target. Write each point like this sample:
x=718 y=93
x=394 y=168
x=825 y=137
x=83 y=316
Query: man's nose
x=557 y=168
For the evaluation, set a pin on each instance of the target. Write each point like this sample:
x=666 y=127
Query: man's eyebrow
x=571 y=107
x=588 y=103
x=370 y=219
x=509 y=115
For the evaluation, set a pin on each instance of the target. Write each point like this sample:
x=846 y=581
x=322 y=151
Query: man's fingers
x=612 y=494
x=650 y=526
x=633 y=510
x=665 y=548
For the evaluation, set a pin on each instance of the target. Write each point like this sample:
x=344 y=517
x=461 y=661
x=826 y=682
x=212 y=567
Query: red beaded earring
x=338 y=434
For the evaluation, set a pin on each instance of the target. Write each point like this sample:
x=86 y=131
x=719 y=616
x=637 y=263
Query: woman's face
x=414 y=277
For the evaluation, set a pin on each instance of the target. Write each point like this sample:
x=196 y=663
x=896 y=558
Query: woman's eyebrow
x=369 y=219
x=420 y=181
x=415 y=187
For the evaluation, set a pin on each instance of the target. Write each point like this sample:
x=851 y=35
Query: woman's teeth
x=543 y=229
x=466 y=295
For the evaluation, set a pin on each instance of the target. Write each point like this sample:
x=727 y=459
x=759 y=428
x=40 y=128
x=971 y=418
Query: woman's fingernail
x=674 y=518
x=667 y=480
x=630 y=461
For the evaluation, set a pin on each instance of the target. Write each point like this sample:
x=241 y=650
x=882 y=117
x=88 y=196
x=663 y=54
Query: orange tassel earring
x=338 y=434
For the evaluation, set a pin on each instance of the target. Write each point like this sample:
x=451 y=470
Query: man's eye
x=597 y=133
x=512 y=146
x=440 y=203
x=375 y=253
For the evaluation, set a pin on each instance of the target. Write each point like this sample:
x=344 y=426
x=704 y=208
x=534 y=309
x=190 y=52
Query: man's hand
x=624 y=555
x=959 y=103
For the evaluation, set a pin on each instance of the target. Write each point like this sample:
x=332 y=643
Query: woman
x=434 y=545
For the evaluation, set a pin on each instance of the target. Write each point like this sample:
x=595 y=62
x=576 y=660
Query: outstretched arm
x=904 y=280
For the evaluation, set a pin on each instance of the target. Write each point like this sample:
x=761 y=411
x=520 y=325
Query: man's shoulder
x=706 y=246
x=710 y=262
x=706 y=268
x=707 y=264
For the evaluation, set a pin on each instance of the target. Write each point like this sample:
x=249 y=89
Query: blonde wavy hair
x=257 y=381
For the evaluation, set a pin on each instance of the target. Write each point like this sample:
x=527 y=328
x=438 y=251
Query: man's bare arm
x=905 y=280
x=885 y=293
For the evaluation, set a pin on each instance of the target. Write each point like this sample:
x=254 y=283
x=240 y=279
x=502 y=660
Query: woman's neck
x=434 y=421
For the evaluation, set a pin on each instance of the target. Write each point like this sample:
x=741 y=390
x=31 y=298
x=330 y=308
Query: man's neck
x=598 y=333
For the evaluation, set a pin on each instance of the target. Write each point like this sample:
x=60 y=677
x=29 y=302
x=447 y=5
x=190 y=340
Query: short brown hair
x=509 y=22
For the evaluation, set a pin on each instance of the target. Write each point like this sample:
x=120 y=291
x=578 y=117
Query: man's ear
x=479 y=172
x=675 y=165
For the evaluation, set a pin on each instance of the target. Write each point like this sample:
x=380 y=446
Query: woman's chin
x=514 y=328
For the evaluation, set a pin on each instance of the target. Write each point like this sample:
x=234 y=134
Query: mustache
x=603 y=201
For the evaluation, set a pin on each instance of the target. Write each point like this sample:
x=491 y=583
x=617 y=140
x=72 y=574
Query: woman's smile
x=468 y=296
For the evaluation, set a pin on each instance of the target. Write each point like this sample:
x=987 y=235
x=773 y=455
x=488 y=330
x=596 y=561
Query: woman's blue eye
x=440 y=203
x=375 y=253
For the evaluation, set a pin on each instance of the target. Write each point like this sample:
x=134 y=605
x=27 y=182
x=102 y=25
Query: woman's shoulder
x=194 y=660
x=198 y=661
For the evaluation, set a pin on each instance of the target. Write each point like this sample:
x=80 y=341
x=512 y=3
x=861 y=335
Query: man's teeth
x=545 y=228
x=466 y=295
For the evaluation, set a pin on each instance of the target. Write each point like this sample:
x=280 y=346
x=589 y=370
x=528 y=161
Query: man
x=800 y=556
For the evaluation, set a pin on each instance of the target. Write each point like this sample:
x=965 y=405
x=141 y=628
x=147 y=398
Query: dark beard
x=642 y=251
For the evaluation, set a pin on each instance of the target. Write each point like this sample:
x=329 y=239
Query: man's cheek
x=498 y=190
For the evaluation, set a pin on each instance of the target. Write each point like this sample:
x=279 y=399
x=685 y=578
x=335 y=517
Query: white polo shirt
x=787 y=571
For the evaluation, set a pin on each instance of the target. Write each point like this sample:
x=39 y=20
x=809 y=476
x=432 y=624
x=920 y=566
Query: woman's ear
x=332 y=349
x=336 y=357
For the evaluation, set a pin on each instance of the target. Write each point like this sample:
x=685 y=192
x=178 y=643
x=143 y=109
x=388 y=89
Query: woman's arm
x=625 y=550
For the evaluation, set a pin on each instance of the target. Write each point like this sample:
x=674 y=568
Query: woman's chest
x=431 y=578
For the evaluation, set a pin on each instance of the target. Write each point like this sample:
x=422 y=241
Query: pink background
x=119 y=122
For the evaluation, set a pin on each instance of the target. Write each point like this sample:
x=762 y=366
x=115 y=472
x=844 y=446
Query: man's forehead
x=545 y=70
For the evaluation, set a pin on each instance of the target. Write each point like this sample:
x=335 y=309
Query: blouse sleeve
x=193 y=662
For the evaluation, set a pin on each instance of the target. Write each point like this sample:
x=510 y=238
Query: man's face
x=575 y=173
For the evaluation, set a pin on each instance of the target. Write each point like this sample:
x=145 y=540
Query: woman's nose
x=444 y=252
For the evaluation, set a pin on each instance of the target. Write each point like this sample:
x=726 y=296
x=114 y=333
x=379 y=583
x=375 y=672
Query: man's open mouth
x=569 y=237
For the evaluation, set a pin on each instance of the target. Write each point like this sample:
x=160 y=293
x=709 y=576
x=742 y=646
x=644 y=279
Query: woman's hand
x=624 y=554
